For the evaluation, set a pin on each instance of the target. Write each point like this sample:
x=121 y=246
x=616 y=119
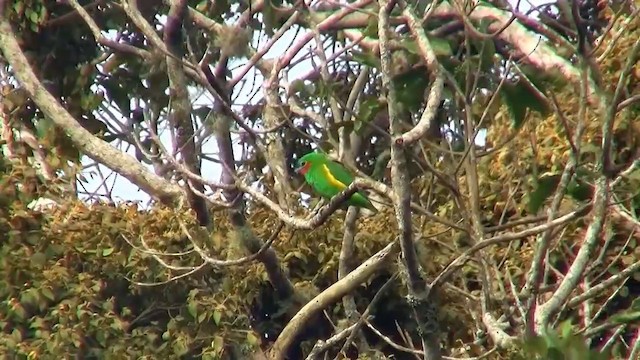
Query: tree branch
x=245 y=234
x=180 y=115
x=93 y=147
x=570 y=281
x=332 y=294
x=100 y=39
x=422 y=305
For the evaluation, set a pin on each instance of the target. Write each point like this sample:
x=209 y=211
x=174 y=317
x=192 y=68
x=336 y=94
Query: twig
x=258 y=55
x=635 y=349
x=347 y=254
x=322 y=26
x=100 y=39
x=322 y=346
x=366 y=314
x=604 y=285
x=466 y=256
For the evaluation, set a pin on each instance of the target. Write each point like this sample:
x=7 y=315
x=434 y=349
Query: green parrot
x=329 y=178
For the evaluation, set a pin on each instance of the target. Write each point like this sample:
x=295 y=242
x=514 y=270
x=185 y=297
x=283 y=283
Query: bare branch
x=100 y=39
x=612 y=109
x=429 y=113
x=244 y=232
x=604 y=285
x=321 y=26
x=347 y=254
x=424 y=310
x=568 y=284
x=332 y=294
x=534 y=277
x=466 y=256
x=180 y=115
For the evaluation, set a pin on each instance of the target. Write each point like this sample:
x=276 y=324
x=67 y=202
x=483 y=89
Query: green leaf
x=579 y=190
x=43 y=12
x=180 y=347
x=546 y=185
x=18 y=7
x=19 y=312
x=520 y=97
x=269 y=15
x=252 y=339
x=47 y=293
x=192 y=308
x=16 y=334
x=371 y=30
x=441 y=47
x=217 y=316
x=91 y=101
x=366 y=58
x=486 y=47
x=218 y=343
x=119 y=95
x=44 y=127
x=367 y=111
x=202 y=317
x=101 y=338
x=38 y=259
x=410 y=88
x=107 y=251
x=411 y=46
x=566 y=329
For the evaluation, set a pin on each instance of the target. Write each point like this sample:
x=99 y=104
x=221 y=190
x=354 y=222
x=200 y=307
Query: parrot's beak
x=298 y=170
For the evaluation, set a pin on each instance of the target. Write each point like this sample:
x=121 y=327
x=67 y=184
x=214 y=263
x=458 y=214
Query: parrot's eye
x=303 y=163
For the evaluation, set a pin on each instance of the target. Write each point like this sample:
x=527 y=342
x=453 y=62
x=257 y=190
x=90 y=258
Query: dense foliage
x=513 y=134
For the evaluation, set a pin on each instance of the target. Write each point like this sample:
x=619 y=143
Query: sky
x=124 y=191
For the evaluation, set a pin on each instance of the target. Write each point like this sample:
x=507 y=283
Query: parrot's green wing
x=342 y=176
x=340 y=173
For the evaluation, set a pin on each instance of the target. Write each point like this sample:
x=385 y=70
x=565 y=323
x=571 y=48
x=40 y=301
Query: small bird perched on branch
x=329 y=178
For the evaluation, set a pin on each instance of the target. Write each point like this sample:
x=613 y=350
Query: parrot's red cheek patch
x=304 y=169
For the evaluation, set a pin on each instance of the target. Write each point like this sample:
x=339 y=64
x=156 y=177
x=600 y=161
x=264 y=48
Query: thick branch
x=245 y=234
x=570 y=281
x=423 y=308
x=534 y=50
x=180 y=116
x=93 y=147
x=328 y=297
